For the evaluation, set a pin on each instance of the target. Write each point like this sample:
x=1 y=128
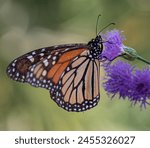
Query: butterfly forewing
x=20 y=67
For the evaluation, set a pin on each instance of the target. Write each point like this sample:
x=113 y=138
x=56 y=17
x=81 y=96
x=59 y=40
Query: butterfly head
x=96 y=46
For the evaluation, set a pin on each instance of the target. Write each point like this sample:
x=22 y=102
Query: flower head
x=141 y=87
x=113 y=44
x=118 y=79
x=129 y=82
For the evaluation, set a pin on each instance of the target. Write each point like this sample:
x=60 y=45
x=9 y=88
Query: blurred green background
x=26 y=25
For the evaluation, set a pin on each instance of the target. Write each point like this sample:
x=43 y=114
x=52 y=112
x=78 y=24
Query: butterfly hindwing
x=78 y=87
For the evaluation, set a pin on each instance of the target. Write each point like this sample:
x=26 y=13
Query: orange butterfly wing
x=56 y=71
x=75 y=81
x=67 y=71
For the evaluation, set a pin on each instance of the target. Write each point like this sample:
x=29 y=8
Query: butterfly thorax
x=96 y=47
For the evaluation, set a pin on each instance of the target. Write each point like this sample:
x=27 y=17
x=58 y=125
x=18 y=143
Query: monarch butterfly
x=70 y=72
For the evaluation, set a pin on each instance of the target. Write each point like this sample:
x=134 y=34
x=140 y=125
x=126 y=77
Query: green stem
x=142 y=59
x=131 y=54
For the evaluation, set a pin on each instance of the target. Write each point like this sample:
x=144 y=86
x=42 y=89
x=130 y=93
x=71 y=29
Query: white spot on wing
x=45 y=62
x=49 y=57
x=56 y=53
x=43 y=49
x=67 y=49
x=13 y=70
x=33 y=53
x=41 y=54
x=54 y=57
x=30 y=58
x=17 y=74
x=53 y=62
x=13 y=64
x=44 y=73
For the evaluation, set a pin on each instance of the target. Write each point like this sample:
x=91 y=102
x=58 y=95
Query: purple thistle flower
x=141 y=87
x=129 y=82
x=113 y=44
x=117 y=79
x=113 y=47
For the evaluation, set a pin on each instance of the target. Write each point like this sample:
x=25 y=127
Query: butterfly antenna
x=106 y=27
x=97 y=22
